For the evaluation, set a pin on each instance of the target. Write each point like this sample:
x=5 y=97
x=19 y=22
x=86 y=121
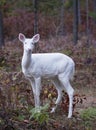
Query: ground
x=16 y=98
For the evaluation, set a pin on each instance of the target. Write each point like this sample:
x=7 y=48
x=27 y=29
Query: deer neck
x=26 y=59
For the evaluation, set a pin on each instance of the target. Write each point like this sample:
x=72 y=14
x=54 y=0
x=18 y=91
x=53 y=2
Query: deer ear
x=36 y=38
x=22 y=37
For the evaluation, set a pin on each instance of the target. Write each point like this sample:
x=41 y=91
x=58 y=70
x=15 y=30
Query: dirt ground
x=16 y=94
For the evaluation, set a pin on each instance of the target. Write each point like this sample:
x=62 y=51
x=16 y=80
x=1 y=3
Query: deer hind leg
x=58 y=86
x=70 y=91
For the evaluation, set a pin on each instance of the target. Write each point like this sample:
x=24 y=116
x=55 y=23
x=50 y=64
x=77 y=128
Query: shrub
x=42 y=115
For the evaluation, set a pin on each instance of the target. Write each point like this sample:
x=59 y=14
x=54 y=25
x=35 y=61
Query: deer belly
x=44 y=72
x=49 y=72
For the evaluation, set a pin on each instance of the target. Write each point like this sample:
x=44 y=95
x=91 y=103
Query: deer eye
x=32 y=43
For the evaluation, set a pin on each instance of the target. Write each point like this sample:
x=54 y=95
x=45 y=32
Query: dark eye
x=25 y=42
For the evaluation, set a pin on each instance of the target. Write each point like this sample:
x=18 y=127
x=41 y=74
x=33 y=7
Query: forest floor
x=16 y=98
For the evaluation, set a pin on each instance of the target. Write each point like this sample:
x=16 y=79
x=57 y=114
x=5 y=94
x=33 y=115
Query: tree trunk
x=35 y=3
x=1 y=30
x=79 y=13
x=61 y=30
x=87 y=18
x=75 y=23
x=94 y=4
x=87 y=23
x=88 y=58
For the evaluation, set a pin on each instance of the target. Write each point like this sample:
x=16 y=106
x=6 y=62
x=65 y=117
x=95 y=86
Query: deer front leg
x=37 y=92
x=32 y=81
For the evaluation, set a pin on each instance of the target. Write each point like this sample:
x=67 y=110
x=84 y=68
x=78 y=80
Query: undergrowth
x=40 y=114
x=16 y=93
x=89 y=116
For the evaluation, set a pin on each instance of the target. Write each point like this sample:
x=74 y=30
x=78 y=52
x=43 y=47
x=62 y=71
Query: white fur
x=56 y=66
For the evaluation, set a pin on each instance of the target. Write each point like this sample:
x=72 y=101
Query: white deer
x=55 y=66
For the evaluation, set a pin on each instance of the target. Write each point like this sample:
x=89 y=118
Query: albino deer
x=55 y=66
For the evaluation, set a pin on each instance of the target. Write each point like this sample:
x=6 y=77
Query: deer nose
x=29 y=50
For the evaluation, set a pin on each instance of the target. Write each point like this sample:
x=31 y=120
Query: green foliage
x=68 y=3
x=40 y=115
x=49 y=7
x=92 y=14
x=26 y=4
x=21 y=117
x=88 y=116
x=2 y=2
x=1 y=121
x=67 y=52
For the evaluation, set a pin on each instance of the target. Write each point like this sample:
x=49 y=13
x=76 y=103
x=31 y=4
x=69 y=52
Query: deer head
x=29 y=43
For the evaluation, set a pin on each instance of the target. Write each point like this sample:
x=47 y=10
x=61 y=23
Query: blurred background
x=49 y=18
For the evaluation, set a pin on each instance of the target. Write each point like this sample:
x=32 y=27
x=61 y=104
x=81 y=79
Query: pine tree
x=75 y=23
x=1 y=30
